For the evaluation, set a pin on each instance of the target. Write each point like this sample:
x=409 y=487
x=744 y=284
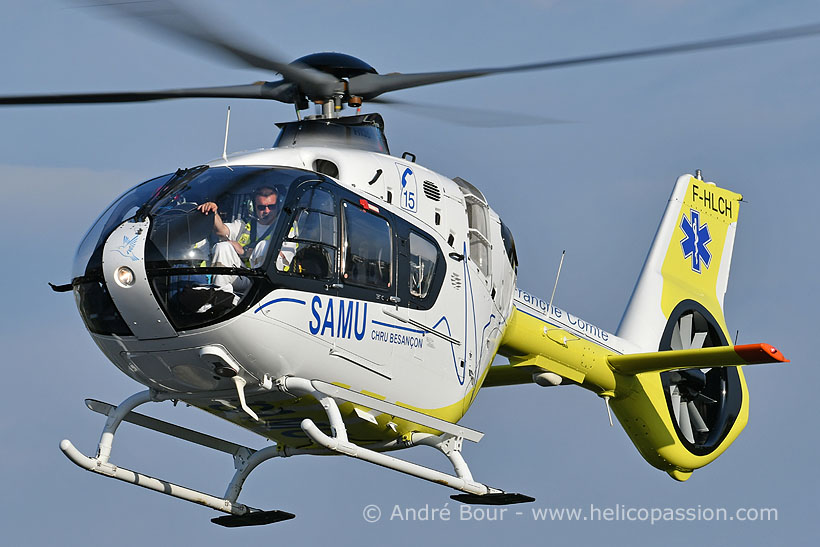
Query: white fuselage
x=429 y=359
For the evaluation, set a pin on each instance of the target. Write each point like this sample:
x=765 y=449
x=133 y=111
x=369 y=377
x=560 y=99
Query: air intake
x=431 y=191
x=326 y=167
x=455 y=279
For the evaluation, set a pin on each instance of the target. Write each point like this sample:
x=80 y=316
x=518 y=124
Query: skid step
x=254 y=518
x=499 y=498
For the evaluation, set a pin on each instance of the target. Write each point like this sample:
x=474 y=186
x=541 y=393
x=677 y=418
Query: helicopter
x=334 y=316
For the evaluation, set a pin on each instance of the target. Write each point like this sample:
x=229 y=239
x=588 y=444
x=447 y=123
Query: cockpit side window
x=124 y=207
x=423 y=258
x=309 y=248
x=368 y=249
x=509 y=246
x=478 y=221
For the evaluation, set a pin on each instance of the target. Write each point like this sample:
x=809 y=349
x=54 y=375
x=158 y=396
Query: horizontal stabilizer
x=721 y=356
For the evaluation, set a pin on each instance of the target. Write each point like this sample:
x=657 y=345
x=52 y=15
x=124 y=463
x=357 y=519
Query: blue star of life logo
x=697 y=237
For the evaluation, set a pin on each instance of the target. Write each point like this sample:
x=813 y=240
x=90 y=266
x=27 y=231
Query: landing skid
x=243 y=457
x=247 y=459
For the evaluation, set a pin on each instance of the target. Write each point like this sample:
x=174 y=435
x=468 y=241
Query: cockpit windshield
x=93 y=300
x=123 y=208
x=210 y=239
x=211 y=231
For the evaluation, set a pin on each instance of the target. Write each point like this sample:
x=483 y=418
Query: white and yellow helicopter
x=342 y=301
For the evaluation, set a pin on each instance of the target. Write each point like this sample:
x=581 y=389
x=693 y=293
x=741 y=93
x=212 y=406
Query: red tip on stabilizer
x=760 y=353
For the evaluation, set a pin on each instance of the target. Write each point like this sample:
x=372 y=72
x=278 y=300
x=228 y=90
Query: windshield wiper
x=180 y=177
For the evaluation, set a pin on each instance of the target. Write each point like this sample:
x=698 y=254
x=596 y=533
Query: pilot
x=243 y=244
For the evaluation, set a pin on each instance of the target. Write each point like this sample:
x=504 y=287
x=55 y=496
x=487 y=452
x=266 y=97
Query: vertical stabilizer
x=688 y=262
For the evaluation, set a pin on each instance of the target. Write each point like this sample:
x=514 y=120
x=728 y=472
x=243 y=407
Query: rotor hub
x=340 y=65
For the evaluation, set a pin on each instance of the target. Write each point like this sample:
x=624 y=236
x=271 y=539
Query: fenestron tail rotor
x=689 y=390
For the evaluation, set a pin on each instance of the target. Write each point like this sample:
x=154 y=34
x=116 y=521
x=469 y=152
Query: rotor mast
x=341 y=66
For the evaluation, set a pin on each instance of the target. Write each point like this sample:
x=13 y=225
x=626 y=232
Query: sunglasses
x=263 y=207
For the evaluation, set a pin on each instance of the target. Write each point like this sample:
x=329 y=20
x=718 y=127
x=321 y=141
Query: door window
x=310 y=246
x=368 y=249
x=423 y=257
x=478 y=232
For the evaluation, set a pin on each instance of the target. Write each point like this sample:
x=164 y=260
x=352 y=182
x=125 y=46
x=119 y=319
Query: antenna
x=227 y=125
x=549 y=309
x=606 y=403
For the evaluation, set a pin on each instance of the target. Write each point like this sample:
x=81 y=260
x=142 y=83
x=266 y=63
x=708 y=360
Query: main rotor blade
x=369 y=86
x=471 y=117
x=171 y=20
x=278 y=91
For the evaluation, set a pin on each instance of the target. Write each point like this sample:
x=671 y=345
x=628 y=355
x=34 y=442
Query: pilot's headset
x=280 y=199
x=246 y=210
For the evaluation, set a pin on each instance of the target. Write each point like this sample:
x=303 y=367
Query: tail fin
x=677 y=304
x=688 y=261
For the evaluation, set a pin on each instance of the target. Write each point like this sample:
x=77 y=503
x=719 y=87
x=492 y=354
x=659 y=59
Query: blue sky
x=747 y=117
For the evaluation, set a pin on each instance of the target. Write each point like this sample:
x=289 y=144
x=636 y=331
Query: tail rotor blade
x=696 y=419
x=697 y=341
x=686 y=331
x=685 y=424
x=674 y=394
x=676 y=342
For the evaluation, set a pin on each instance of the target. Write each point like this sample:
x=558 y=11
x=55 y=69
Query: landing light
x=125 y=276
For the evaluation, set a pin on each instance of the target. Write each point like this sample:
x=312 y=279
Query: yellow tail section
x=682 y=420
x=670 y=375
